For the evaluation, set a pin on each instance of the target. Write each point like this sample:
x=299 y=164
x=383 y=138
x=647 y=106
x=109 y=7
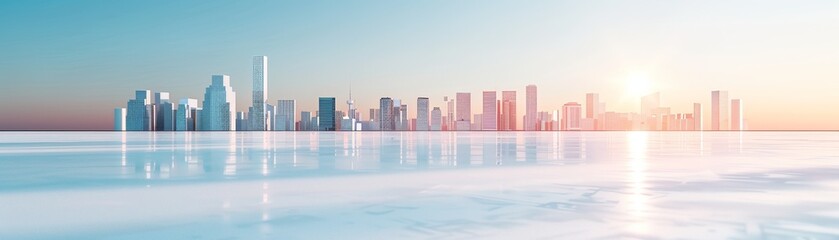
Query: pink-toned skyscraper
x=530 y=108
x=508 y=111
x=697 y=117
x=571 y=115
x=464 y=107
x=736 y=115
x=490 y=120
x=719 y=110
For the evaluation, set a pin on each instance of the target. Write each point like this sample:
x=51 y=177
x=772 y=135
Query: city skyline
x=218 y=112
x=776 y=56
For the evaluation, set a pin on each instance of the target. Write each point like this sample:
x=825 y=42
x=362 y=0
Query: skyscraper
x=736 y=115
x=285 y=115
x=258 y=115
x=326 y=114
x=489 y=117
x=719 y=110
x=508 y=111
x=119 y=119
x=386 y=118
x=592 y=104
x=571 y=115
x=422 y=114
x=436 y=119
x=403 y=119
x=306 y=121
x=138 y=116
x=697 y=117
x=185 y=116
x=464 y=107
x=164 y=116
x=219 y=108
x=530 y=108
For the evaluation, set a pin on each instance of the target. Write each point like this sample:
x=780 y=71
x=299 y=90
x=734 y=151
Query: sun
x=638 y=84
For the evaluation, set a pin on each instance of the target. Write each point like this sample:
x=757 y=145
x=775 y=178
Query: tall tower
x=351 y=110
x=530 y=108
x=508 y=110
x=386 y=118
x=422 y=114
x=139 y=112
x=697 y=117
x=736 y=115
x=489 y=117
x=719 y=110
x=464 y=107
x=260 y=93
x=326 y=114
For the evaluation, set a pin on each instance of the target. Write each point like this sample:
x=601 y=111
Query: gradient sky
x=67 y=64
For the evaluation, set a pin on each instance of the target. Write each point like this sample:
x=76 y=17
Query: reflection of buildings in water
x=572 y=145
x=531 y=146
x=507 y=149
x=326 y=150
x=421 y=149
x=490 y=148
x=436 y=147
x=464 y=149
x=389 y=150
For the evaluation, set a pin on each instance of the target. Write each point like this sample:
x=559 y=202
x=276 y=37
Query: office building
x=258 y=115
x=571 y=115
x=530 y=119
x=119 y=119
x=719 y=111
x=185 y=119
x=488 y=116
x=697 y=117
x=326 y=114
x=436 y=119
x=139 y=112
x=422 y=114
x=508 y=114
x=285 y=117
x=219 y=107
x=736 y=115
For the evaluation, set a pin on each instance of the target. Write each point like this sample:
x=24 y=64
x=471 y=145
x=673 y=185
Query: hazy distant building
x=139 y=113
x=241 y=121
x=326 y=114
x=422 y=114
x=436 y=119
x=185 y=117
x=697 y=117
x=530 y=121
x=571 y=115
x=306 y=121
x=508 y=111
x=285 y=117
x=403 y=117
x=119 y=119
x=219 y=108
x=258 y=114
x=719 y=110
x=736 y=115
x=488 y=116
x=464 y=107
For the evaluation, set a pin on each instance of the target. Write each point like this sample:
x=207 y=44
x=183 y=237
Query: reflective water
x=403 y=185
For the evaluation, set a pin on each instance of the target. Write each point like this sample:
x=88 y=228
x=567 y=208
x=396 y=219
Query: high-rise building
x=571 y=115
x=185 y=116
x=436 y=119
x=448 y=120
x=386 y=118
x=258 y=115
x=306 y=121
x=422 y=114
x=489 y=117
x=285 y=117
x=219 y=108
x=530 y=108
x=403 y=117
x=326 y=114
x=464 y=107
x=697 y=117
x=508 y=111
x=241 y=121
x=592 y=104
x=736 y=115
x=119 y=119
x=164 y=112
x=719 y=110
x=139 y=113
x=351 y=117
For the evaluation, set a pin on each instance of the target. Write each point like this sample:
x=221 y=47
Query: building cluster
x=218 y=113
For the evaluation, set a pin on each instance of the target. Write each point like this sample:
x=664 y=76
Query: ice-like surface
x=413 y=185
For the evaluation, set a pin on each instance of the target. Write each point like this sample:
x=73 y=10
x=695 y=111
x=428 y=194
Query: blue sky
x=67 y=64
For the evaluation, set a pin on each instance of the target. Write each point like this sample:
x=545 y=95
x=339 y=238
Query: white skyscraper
x=736 y=115
x=422 y=114
x=185 y=117
x=119 y=119
x=139 y=113
x=219 y=108
x=697 y=117
x=258 y=116
x=489 y=116
x=285 y=115
x=530 y=108
x=351 y=117
x=719 y=110
x=436 y=119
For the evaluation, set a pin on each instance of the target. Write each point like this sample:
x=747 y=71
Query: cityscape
x=218 y=112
